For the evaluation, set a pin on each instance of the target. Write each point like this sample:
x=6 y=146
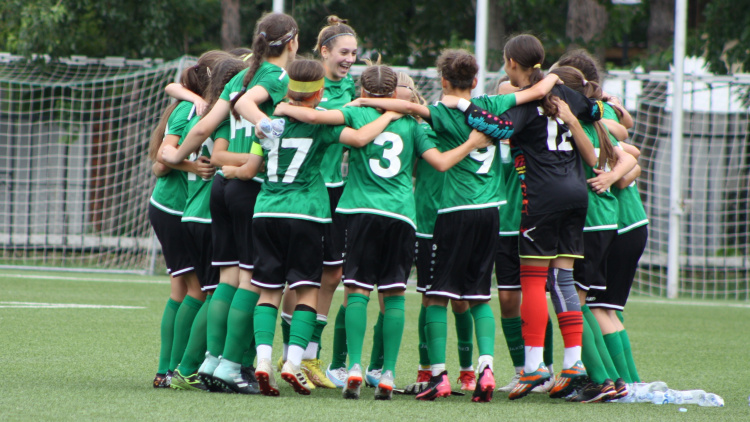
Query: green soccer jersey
x=609 y=113
x=475 y=182
x=427 y=190
x=336 y=94
x=197 y=208
x=602 y=209
x=274 y=80
x=170 y=190
x=293 y=186
x=630 y=214
x=510 y=212
x=379 y=179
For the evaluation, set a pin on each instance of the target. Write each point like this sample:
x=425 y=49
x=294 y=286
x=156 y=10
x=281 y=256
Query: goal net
x=714 y=232
x=74 y=177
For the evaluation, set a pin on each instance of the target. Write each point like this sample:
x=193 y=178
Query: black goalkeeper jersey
x=549 y=168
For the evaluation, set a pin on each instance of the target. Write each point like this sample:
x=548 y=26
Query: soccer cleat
x=439 y=386
x=266 y=380
x=337 y=376
x=206 y=373
x=279 y=364
x=233 y=382
x=485 y=385
x=294 y=376
x=513 y=381
x=544 y=387
x=592 y=393
x=621 y=389
x=187 y=382
x=424 y=375
x=384 y=389
x=468 y=380
x=569 y=380
x=372 y=377
x=527 y=382
x=248 y=372
x=353 y=382
x=314 y=373
x=161 y=381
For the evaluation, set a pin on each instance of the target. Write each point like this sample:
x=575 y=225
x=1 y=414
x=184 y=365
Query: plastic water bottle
x=643 y=396
x=670 y=396
x=689 y=397
x=658 y=398
x=711 y=400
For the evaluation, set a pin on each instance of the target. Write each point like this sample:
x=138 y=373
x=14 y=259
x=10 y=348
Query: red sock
x=533 y=305
x=571 y=327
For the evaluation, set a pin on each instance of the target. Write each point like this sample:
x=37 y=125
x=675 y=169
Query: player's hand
x=479 y=140
x=204 y=169
x=169 y=154
x=280 y=110
x=200 y=106
x=393 y=115
x=355 y=103
x=230 y=172
x=563 y=111
x=259 y=133
x=450 y=101
x=602 y=182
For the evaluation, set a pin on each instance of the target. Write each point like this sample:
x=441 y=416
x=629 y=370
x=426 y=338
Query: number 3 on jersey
x=301 y=147
x=390 y=154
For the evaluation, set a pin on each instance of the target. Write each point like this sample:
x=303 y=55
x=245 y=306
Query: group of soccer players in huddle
x=254 y=214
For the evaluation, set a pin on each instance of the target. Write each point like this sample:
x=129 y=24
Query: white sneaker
x=266 y=380
x=295 y=377
x=544 y=387
x=337 y=376
x=513 y=381
x=353 y=383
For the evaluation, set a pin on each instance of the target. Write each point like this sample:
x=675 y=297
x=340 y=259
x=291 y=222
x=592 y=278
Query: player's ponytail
x=574 y=79
x=272 y=33
x=528 y=52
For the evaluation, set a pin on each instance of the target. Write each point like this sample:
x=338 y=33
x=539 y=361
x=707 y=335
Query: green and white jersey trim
x=292 y=215
x=600 y=228
x=163 y=208
x=424 y=235
x=472 y=207
x=196 y=220
x=377 y=212
x=632 y=226
x=335 y=184
x=509 y=234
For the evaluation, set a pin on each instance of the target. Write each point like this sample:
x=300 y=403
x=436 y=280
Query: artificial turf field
x=97 y=362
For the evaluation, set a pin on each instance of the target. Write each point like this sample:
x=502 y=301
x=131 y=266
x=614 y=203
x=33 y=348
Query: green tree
x=98 y=28
x=725 y=36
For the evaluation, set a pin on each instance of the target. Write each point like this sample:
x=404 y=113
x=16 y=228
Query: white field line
x=36 y=305
x=70 y=278
x=340 y=288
